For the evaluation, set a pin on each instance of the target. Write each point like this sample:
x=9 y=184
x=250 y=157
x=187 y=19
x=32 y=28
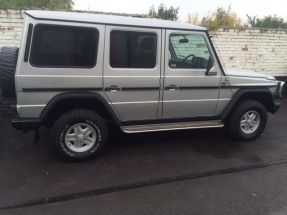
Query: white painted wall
x=262 y=50
x=11 y=25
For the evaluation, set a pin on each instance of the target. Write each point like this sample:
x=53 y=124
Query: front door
x=188 y=91
x=132 y=71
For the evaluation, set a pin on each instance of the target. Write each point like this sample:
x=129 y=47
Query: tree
x=266 y=22
x=46 y=4
x=164 y=13
x=221 y=17
x=193 y=18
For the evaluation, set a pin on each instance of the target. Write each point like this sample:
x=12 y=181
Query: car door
x=188 y=90
x=132 y=71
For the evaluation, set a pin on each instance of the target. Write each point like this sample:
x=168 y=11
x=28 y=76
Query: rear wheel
x=79 y=135
x=248 y=120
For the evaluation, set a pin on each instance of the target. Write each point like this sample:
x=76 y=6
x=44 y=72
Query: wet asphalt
x=179 y=172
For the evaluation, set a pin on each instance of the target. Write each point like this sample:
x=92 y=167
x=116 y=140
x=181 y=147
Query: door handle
x=112 y=88
x=171 y=87
x=211 y=73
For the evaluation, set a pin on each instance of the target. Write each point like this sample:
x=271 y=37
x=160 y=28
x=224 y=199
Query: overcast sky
x=241 y=7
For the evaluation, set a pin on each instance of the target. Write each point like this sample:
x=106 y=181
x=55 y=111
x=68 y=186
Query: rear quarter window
x=64 y=46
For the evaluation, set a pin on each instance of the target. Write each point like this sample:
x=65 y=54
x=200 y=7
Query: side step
x=172 y=126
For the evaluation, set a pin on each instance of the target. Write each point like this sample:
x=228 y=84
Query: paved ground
x=181 y=172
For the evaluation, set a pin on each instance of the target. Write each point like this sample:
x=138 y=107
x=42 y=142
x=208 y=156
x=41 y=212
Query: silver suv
x=77 y=72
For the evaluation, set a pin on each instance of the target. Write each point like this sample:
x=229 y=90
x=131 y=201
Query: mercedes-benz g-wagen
x=76 y=72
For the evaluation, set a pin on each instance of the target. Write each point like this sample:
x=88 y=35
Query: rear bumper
x=26 y=124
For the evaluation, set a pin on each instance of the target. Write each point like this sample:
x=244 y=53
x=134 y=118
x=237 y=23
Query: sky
x=202 y=7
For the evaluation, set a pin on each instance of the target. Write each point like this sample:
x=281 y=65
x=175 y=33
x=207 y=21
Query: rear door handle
x=112 y=88
x=171 y=87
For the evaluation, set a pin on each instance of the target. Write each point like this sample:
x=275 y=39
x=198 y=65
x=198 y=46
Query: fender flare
x=243 y=92
x=77 y=95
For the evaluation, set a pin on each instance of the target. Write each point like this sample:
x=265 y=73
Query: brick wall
x=262 y=50
x=11 y=24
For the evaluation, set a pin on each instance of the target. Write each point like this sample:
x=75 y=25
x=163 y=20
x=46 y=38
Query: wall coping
x=250 y=28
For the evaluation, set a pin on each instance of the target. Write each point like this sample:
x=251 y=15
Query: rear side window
x=64 y=46
x=130 y=49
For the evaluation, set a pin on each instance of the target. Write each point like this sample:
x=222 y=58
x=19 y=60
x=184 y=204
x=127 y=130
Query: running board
x=172 y=126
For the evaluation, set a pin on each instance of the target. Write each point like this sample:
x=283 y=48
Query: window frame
x=136 y=31
x=189 y=33
x=65 y=26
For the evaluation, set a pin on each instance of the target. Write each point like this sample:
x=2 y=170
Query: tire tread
x=70 y=114
x=243 y=106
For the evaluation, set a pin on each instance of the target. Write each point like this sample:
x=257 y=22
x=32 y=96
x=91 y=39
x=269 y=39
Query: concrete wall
x=262 y=50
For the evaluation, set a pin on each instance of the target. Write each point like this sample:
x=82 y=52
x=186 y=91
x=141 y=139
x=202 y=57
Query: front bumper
x=279 y=91
x=26 y=124
x=277 y=105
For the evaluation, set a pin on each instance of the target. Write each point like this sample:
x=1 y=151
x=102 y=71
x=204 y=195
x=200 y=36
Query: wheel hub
x=80 y=137
x=250 y=122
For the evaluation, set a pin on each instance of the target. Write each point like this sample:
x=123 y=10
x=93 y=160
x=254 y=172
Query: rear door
x=132 y=71
x=188 y=91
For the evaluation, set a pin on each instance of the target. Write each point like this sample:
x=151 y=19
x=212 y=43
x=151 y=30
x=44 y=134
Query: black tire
x=251 y=128
x=8 y=62
x=284 y=90
x=68 y=123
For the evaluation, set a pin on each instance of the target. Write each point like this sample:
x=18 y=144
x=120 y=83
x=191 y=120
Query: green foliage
x=266 y=22
x=164 y=13
x=221 y=17
x=46 y=4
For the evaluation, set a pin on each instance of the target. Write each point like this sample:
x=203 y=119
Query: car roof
x=110 y=20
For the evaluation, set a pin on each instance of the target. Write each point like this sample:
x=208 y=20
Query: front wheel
x=248 y=120
x=79 y=135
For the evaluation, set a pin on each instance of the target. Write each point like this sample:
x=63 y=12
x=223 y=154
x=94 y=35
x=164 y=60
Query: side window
x=188 y=51
x=64 y=46
x=129 y=49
